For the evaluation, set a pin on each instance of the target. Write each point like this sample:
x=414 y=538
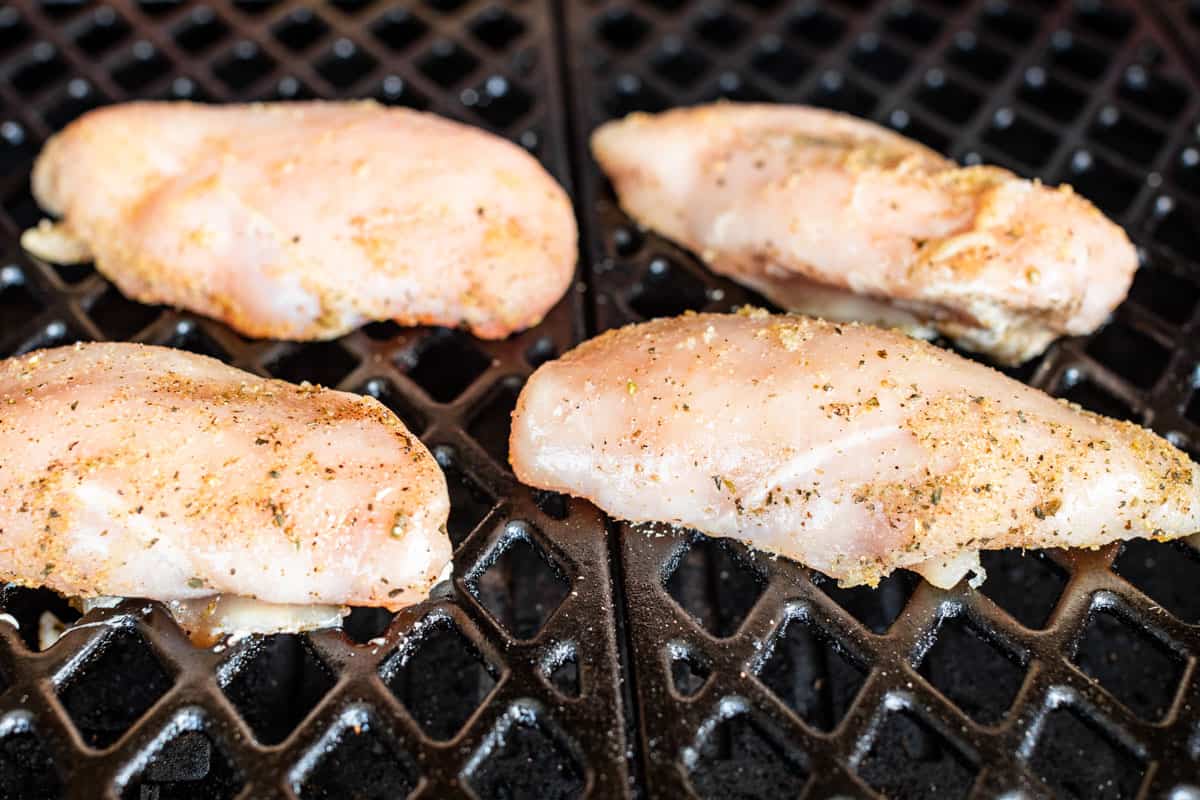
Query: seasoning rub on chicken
x=840 y=218
x=306 y=220
x=851 y=449
x=249 y=504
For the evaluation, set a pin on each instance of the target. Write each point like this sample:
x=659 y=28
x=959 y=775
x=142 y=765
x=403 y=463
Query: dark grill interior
x=570 y=654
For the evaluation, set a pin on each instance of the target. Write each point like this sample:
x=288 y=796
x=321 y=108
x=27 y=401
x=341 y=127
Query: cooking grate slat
x=966 y=693
x=579 y=654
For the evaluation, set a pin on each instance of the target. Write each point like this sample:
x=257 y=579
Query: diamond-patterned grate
x=570 y=656
x=123 y=705
x=1096 y=94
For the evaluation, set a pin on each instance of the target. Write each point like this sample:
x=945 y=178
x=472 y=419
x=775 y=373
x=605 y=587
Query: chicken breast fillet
x=305 y=220
x=851 y=449
x=141 y=471
x=837 y=217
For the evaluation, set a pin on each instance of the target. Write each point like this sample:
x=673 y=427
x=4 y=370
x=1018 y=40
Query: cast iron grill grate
x=570 y=656
x=462 y=694
x=752 y=686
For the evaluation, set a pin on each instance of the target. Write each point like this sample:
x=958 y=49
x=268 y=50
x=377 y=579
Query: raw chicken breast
x=851 y=449
x=837 y=217
x=305 y=220
x=130 y=470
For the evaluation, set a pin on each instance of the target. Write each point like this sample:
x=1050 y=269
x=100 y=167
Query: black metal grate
x=1059 y=665
x=452 y=693
x=574 y=656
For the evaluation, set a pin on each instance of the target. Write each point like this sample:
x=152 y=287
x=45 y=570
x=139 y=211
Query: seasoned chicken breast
x=837 y=217
x=305 y=220
x=141 y=471
x=851 y=449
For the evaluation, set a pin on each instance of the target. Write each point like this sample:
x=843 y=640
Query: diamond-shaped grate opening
x=1130 y=353
x=499 y=101
x=383 y=391
x=446 y=363
x=300 y=29
x=17 y=304
x=1176 y=225
x=41 y=66
x=908 y=758
x=1093 y=176
x=1131 y=663
x=947 y=98
x=243 y=65
x=106 y=29
x=440 y=678
x=1152 y=92
x=976 y=673
x=621 y=28
x=189 y=766
x=876 y=608
x=689 y=669
x=1125 y=135
x=1050 y=95
x=200 y=30
x=741 y=758
x=446 y=63
x=111 y=690
x=522 y=757
x=362 y=765
x=714 y=582
x=80 y=96
x=119 y=317
x=912 y=23
x=561 y=669
x=1166 y=571
x=976 y=57
x=277 y=685
x=143 y=65
x=363 y=623
x=1019 y=137
x=878 y=59
x=345 y=63
x=1078 y=761
x=812 y=673
x=631 y=94
x=322 y=363
x=816 y=25
x=1025 y=583
x=678 y=63
x=187 y=335
x=719 y=27
x=26 y=769
x=779 y=61
x=493 y=422
x=1170 y=297
x=667 y=290
x=496 y=28
x=518 y=584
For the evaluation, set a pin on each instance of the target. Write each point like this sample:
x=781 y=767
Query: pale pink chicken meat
x=139 y=471
x=851 y=449
x=837 y=217
x=306 y=220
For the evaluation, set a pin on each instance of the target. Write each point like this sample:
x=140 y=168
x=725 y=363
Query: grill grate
x=573 y=655
x=1060 y=677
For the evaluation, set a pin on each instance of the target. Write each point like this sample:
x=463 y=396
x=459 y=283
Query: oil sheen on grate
x=570 y=655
